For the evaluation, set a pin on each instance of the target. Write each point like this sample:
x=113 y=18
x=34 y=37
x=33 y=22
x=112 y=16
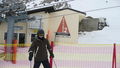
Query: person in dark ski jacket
x=38 y=49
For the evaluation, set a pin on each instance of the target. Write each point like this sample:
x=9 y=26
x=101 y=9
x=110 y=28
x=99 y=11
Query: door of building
x=21 y=38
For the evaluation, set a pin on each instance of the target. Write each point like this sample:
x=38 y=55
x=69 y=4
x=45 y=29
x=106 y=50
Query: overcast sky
x=109 y=34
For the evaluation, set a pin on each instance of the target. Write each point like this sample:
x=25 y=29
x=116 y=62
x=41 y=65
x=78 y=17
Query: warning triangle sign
x=63 y=28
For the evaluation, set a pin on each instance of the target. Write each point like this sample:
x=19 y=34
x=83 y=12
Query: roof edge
x=51 y=9
x=72 y=10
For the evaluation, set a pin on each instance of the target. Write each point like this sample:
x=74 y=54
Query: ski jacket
x=39 y=48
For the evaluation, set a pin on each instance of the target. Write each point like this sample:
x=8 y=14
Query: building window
x=14 y=38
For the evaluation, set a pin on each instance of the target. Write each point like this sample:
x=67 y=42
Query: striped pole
x=14 y=52
x=52 y=45
x=114 y=57
x=51 y=59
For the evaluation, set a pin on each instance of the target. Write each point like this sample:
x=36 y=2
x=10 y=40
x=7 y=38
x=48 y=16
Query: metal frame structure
x=11 y=12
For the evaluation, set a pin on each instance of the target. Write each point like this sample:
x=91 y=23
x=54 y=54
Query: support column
x=10 y=34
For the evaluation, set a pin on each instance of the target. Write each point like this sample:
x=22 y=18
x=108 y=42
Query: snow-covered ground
x=22 y=60
x=71 y=56
x=111 y=12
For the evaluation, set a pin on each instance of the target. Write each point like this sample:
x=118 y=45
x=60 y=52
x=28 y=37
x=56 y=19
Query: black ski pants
x=45 y=63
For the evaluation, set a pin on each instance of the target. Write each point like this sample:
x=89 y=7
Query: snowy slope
x=34 y=4
x=109 y=34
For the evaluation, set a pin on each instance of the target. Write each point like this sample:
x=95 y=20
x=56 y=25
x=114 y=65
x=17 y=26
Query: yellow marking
x=66 y=44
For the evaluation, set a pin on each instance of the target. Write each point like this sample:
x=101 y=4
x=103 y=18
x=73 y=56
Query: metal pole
x=30 y=64
x=10 y=34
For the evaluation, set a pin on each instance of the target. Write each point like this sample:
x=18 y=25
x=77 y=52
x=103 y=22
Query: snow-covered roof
x=35 y=6
x=44 y=9
x=52 y=6
x=42 y=3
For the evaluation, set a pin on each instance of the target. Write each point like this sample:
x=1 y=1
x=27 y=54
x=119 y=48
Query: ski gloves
x=30 y=56
x=52 y=55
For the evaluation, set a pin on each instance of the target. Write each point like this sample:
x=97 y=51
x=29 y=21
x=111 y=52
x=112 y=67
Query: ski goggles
x=41 y=34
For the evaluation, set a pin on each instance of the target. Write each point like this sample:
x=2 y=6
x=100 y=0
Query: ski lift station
x=62 y=25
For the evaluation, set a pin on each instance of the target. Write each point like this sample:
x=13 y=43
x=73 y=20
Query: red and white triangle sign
x=63 y=26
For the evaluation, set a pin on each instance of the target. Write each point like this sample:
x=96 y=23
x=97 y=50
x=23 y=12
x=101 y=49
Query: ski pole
x=55 y=63
x=30 y=64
